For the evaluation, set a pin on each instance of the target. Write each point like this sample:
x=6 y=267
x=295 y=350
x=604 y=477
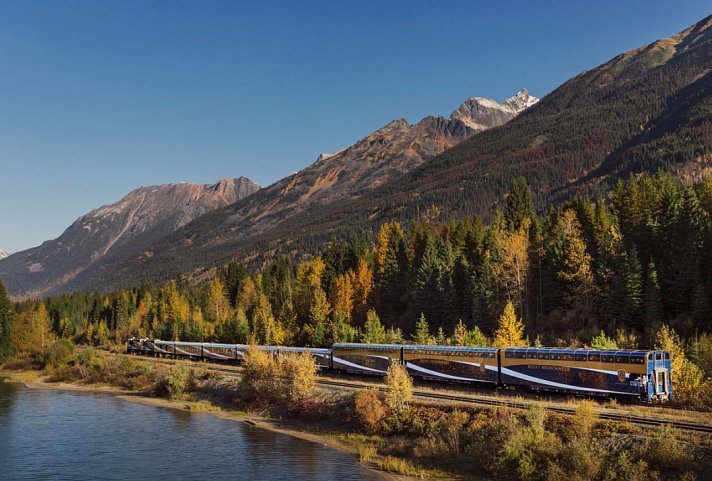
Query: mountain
x=3 y=254
x=647 y=109
x=376 y=159
x=112 y=233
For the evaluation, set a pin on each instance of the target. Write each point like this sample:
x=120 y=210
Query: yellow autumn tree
x=247 y=297
x=686 y=377
x=459 y=337
x=577 y=272
x=510 y=331
x=342 y=296
x=307 y=282
x=380 y=250
x=400 y=387
x=362 y=286
x=512 y=269
x=263 y=322
x=217 y=307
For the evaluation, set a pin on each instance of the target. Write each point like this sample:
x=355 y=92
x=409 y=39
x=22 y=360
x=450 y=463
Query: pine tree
x=6 y=348
x=653 y=305
x=511 y=330
x=373 y=330
x=422 y=332
x=519 y=204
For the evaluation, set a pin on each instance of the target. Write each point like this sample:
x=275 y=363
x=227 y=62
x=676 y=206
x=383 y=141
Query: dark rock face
x=114 y=232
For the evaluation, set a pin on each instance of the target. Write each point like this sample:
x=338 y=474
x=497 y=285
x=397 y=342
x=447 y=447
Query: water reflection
x=65 y=435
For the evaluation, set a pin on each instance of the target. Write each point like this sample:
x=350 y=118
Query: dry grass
x=392 y=464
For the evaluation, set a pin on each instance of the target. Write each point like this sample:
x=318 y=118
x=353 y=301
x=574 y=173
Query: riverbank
x=36 y=380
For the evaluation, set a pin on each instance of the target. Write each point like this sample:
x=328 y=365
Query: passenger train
x=626 y=374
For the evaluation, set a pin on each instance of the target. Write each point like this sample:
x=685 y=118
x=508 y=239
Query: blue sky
x=98 y=98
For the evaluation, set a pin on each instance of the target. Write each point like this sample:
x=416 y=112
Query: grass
x=366 y=452
x=396 y=465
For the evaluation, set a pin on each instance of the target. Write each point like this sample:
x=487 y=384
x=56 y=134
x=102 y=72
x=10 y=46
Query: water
x=47 y=434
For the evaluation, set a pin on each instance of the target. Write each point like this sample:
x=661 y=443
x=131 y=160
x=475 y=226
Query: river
x=51 y=434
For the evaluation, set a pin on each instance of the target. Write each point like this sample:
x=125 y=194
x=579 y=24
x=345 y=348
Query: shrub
x=585 y=419
x=369 y=409
x=400 y=387
x=528 y=450
x=300 y=374
x=449 y=428
x=259 y=382
x=58 y=354
x=178 y=380
x=664 y=452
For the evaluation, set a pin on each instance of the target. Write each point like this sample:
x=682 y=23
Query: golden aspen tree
x=264 y=325
x=247 y=297
x=342 y=296
x=362 y=286
x=514 y=261
x=459 y=337
x=217 y=304
x=577 y=272
x=400 y=387
x=510 y=331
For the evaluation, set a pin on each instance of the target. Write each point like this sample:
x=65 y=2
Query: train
x=635 y=375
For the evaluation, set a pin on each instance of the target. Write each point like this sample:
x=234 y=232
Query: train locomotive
x=636 y=375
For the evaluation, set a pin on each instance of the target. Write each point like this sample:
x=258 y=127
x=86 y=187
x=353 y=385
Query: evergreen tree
x=653 y=305
x=519 y=204
x=422 y=332
x=373 y=330
x=6 y=348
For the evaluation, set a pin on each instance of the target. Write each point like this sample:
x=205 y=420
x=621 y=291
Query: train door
x=661 y=377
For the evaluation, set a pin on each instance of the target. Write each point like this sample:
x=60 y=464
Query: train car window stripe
x=538 y=380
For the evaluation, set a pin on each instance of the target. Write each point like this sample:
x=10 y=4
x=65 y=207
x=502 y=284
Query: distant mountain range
x=645 y=110
x=100 y=241
x=112 y=233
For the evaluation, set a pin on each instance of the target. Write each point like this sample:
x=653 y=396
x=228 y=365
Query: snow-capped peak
x=521 y=101
x=3 y=254
x=480 y=113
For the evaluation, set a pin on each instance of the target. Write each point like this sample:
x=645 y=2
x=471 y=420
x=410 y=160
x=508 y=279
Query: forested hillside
x=644 y=110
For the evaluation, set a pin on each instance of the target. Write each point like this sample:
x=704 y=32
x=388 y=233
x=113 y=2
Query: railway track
x=464 y=399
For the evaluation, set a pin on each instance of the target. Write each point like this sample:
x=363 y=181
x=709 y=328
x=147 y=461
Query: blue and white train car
x=370 y=359
x=452 y=363
x=589 y=372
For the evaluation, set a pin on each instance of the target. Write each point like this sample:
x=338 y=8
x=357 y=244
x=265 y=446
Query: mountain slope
x=646 y=109
x=112 y=233
x=374 y=160
x=3 y=254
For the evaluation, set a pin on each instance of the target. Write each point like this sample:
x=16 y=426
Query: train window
x=531 y=354
x=521 y=354
x=658 y=356
x=581 y=356
x=543 y=355
x=556 y=356
x=567 y=356
x=509 y=354
x=667 y=356
x=650 y=356
x=594 y=357
x=637 y=359
x=621 y=359
x=607 y=358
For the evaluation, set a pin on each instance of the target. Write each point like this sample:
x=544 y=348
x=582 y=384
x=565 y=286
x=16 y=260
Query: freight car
x=629 y=374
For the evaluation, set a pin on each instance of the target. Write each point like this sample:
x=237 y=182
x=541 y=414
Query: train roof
x=357 y=345
x=564 y=350
x=418 y=347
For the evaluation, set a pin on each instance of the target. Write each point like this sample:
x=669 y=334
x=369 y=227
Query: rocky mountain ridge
x=645 y=110
x=113 y=232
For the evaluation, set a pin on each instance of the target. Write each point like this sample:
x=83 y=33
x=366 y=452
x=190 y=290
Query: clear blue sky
x=98 y=98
